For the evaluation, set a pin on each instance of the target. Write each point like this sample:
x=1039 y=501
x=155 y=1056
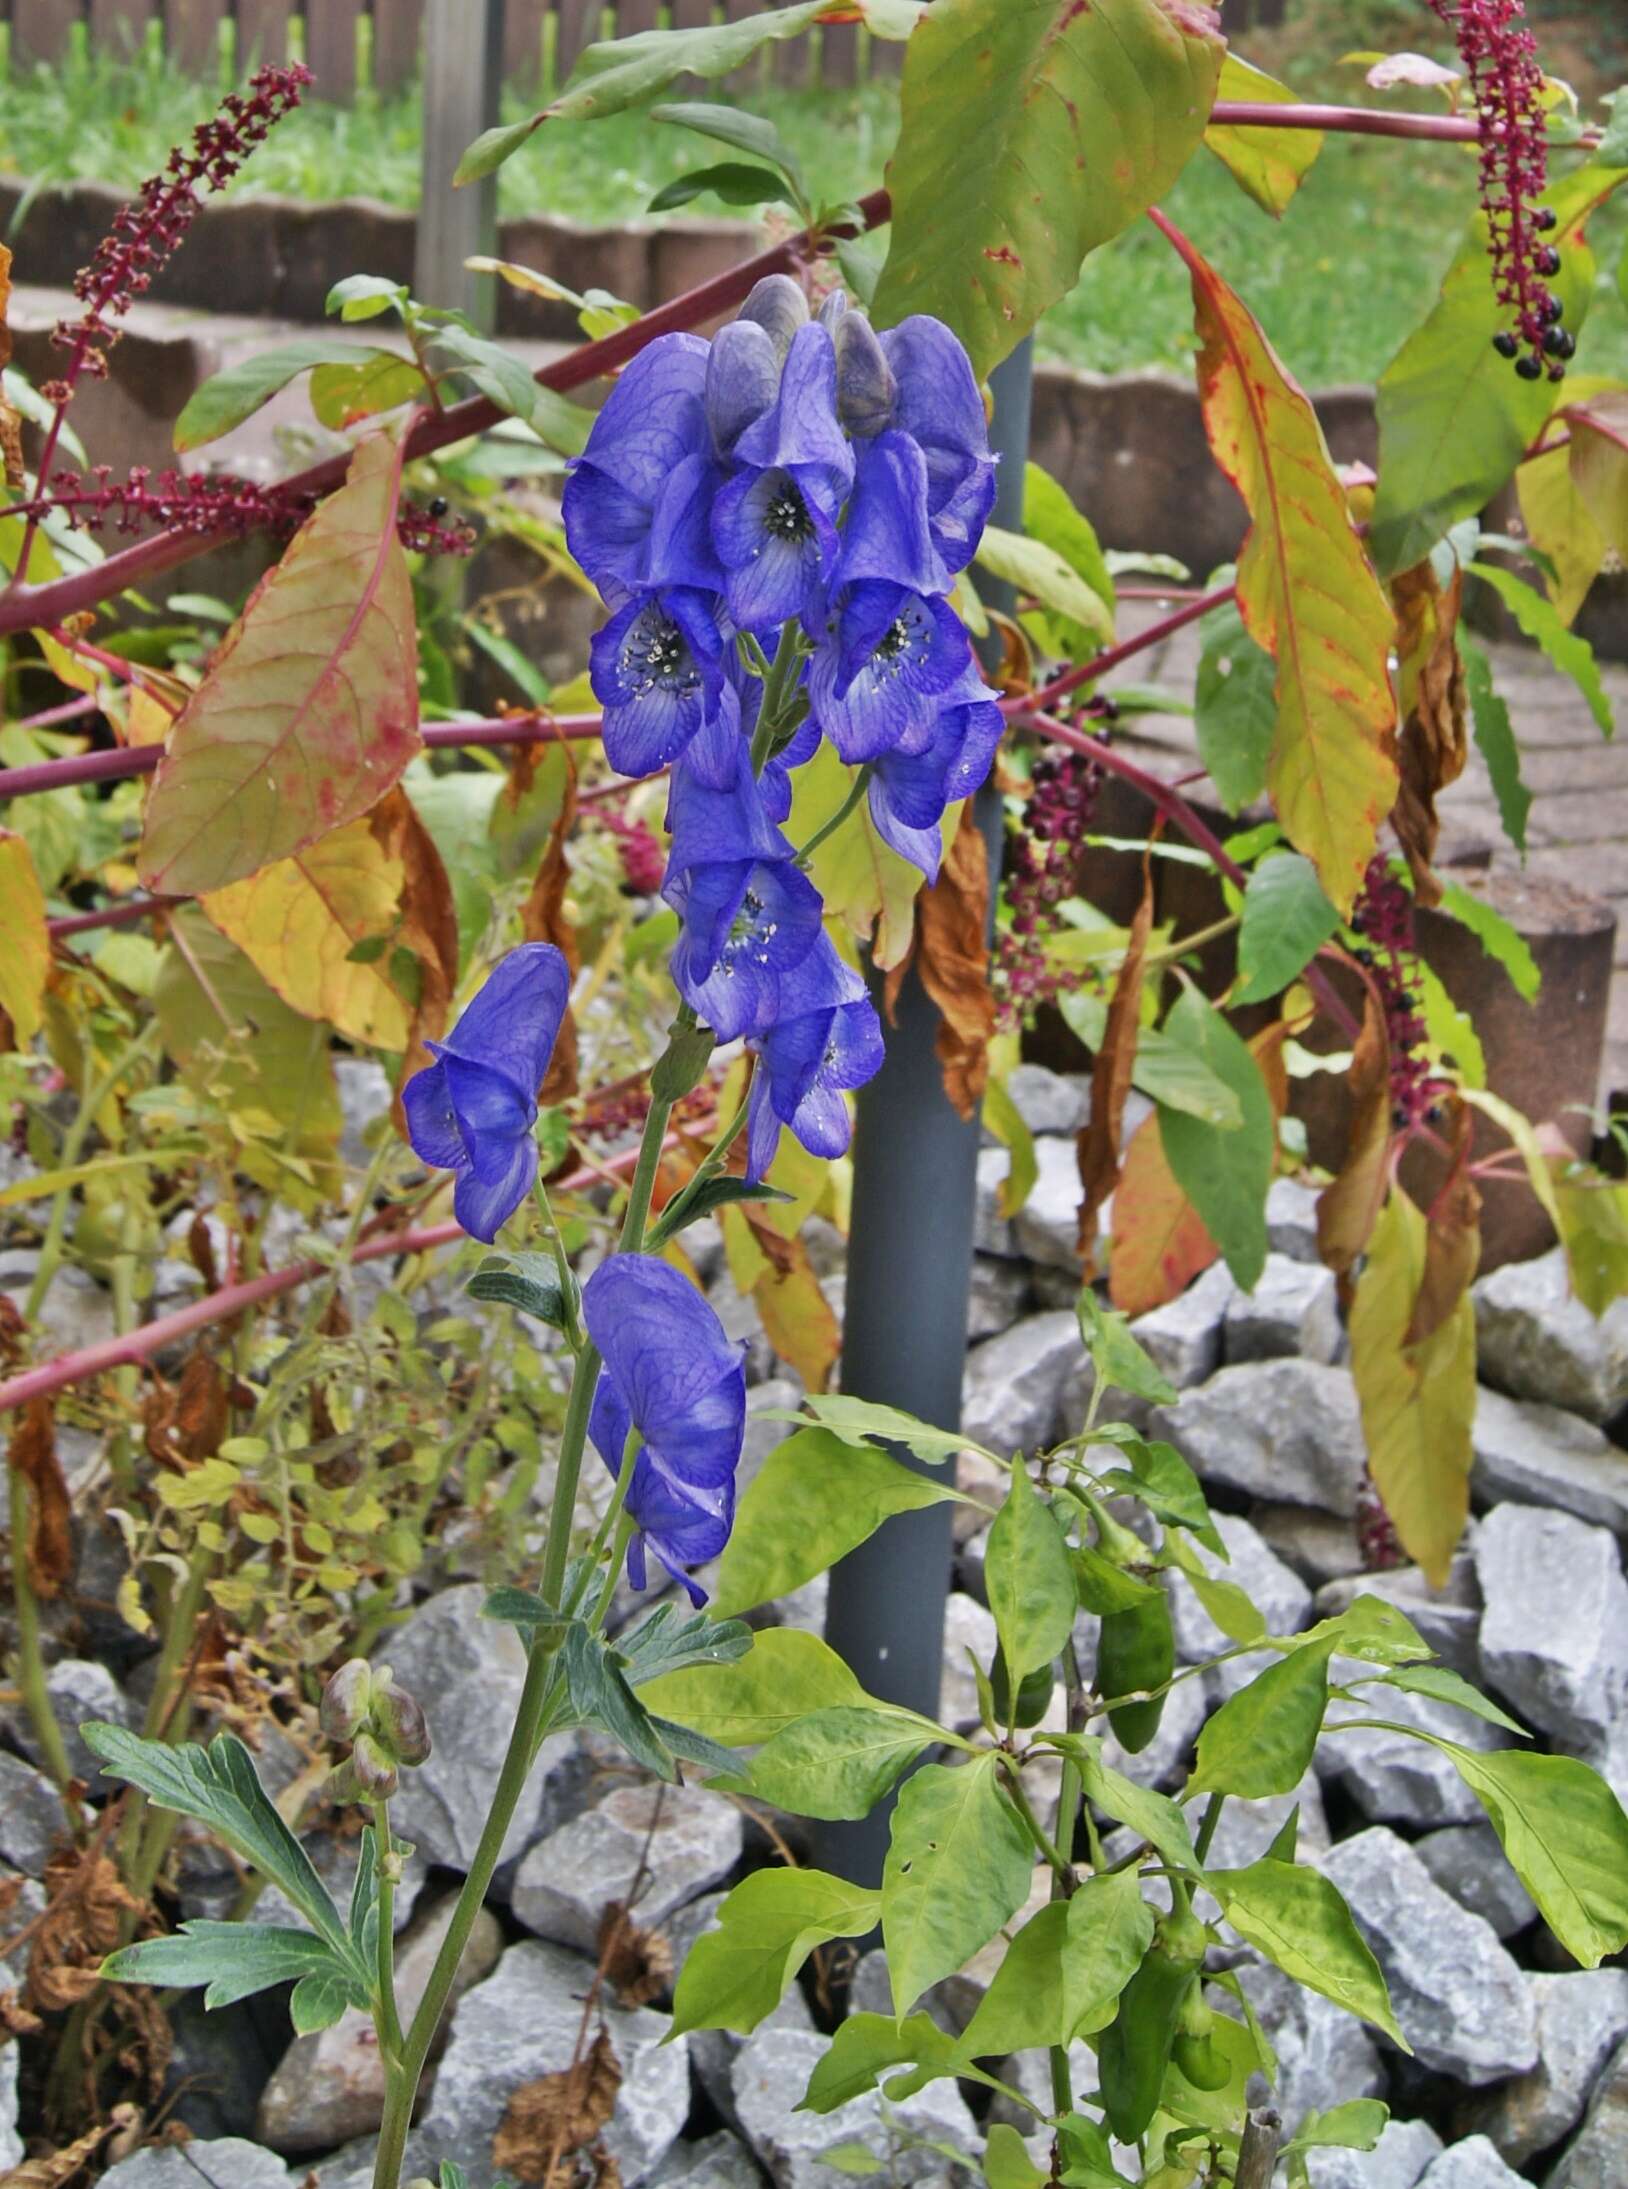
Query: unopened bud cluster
x=363 y=1709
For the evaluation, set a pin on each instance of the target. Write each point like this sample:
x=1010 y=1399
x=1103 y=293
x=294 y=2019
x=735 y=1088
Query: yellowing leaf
x=25 y=956
x=309 y=712
x=1306 y=592
x=1269 y=164
x=1160 y=1243
x=865 y=885
x=797 y=1319
x=1417 y=1401
x=1599 y=461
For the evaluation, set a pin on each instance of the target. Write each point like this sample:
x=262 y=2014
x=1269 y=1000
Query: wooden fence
x=349 y=42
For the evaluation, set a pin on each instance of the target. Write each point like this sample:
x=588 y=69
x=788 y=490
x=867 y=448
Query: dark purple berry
x=1506 y=344
x=1529 y=368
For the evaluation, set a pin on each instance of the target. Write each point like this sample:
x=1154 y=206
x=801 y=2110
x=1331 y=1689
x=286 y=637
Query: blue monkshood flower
x=887 y=534
x=747 y=914
x=938 y=404
x=648 y=459
x=673 y=1378
x=911 y=785
x=826 y=1040
x=774 y=525
x=743 y=372
x=879 y=673
x=657 y=669
x=471 y=1111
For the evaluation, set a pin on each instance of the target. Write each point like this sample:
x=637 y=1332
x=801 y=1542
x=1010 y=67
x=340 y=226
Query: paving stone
x=1325 y=2056
x=1404 y=2150
x=1394 y=1778
x=1554 y=1636
x=1049 y=1102
x=1535 y=1340
x=1046 y=1228
x=1291 y=1219
x=1278 y=1594
x=1527 y=1454
x=673 y=1841
x=31 y=1818
x=1013 y=1384
x=1467 y=1861
x=1597 y=2157
x=1473 y=2164
x=329 y=2086
x=771 y=2072
x=231 y=2162
x=467 y=1672
x=523 y=2023
x=1320 y=1547
x=719 y=2161
x=1582 y=2018
x=1462 y=2003
x=1294 y=1309
x=79 y=1691
x=998 y=1296
x=1286 y=1429
x=1448 y=1618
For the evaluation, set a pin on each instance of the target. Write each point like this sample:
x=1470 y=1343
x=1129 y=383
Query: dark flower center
x=787 y=517
x=750 y=934
x=658 y=653
x=902 y=642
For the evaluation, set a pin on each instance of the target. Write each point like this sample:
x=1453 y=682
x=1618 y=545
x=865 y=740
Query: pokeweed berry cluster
x=1383 y=917
x=775 y=520
x=1043 y=853
x=1500 y=59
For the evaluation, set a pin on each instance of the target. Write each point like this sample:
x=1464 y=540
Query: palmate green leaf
x=767 y=1928
x=218 y=1788
x=1032 y=131
x=836 y=1764
x=1286 y=920
x=541 y=1299
x=1063 y=1969
x=1260 y=1742
x=230 y=397
x=816 y=1498
x=1225 y=1175
x=601 y=1696
x=958 y=1866
x=1030 y=1579
x=672 y=1640
x=233 y=1961
x=784 y=1676
x=1268 y=165
x=1298 y=1918
x=1235 y=708
x=1571 y=655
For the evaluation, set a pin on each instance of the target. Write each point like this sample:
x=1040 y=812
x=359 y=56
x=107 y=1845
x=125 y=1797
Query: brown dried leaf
x=551 y=2119
x=1453 y=1240
x=952 y=961
x=1160 y=1243
x=86 y=1902
x=1098 y=1146
x=429 y=918
x=201 y=1251
x=1434 y=745
x=187 y=1423
x=32 y=1455
x=636 y=1961
x=56 y=2167
x=1348 y=1209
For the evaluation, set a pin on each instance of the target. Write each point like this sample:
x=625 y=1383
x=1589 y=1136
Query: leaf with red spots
x=309 y=712
x=1033 y=131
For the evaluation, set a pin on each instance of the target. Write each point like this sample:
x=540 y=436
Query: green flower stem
x=94 y=1094
x=856 y=792
x=562 y=1265
x=1207 y=1824
x=780 y=682
x=388 y=2019
x=30 y=1656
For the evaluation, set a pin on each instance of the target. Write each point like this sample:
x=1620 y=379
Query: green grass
x=1338 y=283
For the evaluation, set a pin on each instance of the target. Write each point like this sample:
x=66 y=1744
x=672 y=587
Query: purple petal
x=432 y=1122
x=887 y=535
x=801 y=430
x=743 y=375
x=514 y=1021
x=488 y=1193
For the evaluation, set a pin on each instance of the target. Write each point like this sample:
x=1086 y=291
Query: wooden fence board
x=262 y=32
x=192 y=35
x=839 y=53
x=330 y=46
x=39 y=29
x=578 y=26
x=118 y=27
x=634 y=15
x=749 y=77
x=691 y=14
x=523 y=43
x=398 y=26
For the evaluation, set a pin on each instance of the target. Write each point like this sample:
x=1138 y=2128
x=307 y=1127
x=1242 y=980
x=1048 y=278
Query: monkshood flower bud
x=373 y=1769
x=674 y=1381
x=777 y=305
x=826 y=1040
x=399 y=1722
x=472 y=1111
x=346 y=1700
x=866 y=389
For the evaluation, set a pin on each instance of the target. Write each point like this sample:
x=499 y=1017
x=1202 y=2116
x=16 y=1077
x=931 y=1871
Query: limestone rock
x=1536 y=1340
x=222 y=2060
x=1291 y=1219
x=1248 y=1828
x=770 y=2075
x=1597 y=2157
x=1397 y=2161
x=1320 y=1547
x=364 y=1104
x=11 y=2143
x=1184 y=1337
x=1325 y=2055
x=1554 y=1637
x=673 y=1841
x=967 y=1626
x=1462 y=2003
x=1286 y=1429
x=993 y=1233
x=1049 y=1102
x=719 y=2161
x=467 y=1672
x=997 y=1298
x=231 y=2161
x=1046 y=1228
x=79 y=1691
x=1395 y=1778
x=1582 y=2018
x=329 y=2086
x=1474 y=2164
x=523 y=2023
x=1281 y=1597
x=1167 y=1758
x=1013 y=1383
x=1293 y=1309
x=31 y=1818
x=1538 y=1455
x=1467 y=1861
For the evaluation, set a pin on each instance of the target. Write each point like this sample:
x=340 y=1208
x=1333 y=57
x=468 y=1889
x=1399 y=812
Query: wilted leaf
x=187 y=1423
x=797 y=1317
x=309 y=711
x=1159 y=1241
x=548 y=2120
x=1098 y=1144
x=25 y=961
x=1348 y=1209
x=952 y=961
x=1434 y=745
x=32 y=1460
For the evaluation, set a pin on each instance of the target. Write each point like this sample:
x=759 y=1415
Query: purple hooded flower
x=938 y=404
x=639 y=494
x=911 y=784
x=826 y=1040
x=774 y=525
x=471 y=1111
x=878 y=677
x=673 y=1378
x=887 y=534
x=657 y=670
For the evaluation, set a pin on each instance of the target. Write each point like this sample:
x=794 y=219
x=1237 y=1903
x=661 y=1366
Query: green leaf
x=1177 y=1075
x=1447 y=1686
x=1286 y=921
x=1168 y=1487
x=1298 y=1918
x=1235 y=708
x=710 y=1194
x=364 y=296
x=217 y=1787
x=505 y=381
x=319 y=2000
x=1497 y=937
x=1104 y=1587
x=1371 y=1629
x=1269 y=165
x=1261 y=1740
x=959 y=1865
x=1224 y=1175
x=784 y=1676
x=1229 y=1606
x=375 y=381
x=1449 y=1030
x=543 y=1301
x=1002 y=1117
x=1007 y=2164
x=767 y=1928
x=1040 y=572
x=1031 y=133
x=864 y=1421
x=231 y=396
x=735 y=182
x=520 y=1608
x=1495 y=734
x=815 y=1498
x=837 y=1763
x=1571 y=655
x=733 y=125
x=1153 y=1817
x=601 y=1696
x=1029 y=1579
x=234 y=1961
x=1355 y=2126
x=866 y=2046
x=1117 y=1354
x=1566 y=1838
x=1067 y=1964
x=1051 y=517
x=672 y=1640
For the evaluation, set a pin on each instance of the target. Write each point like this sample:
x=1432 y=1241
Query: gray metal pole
x=904 y=1337
x=463 y=75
